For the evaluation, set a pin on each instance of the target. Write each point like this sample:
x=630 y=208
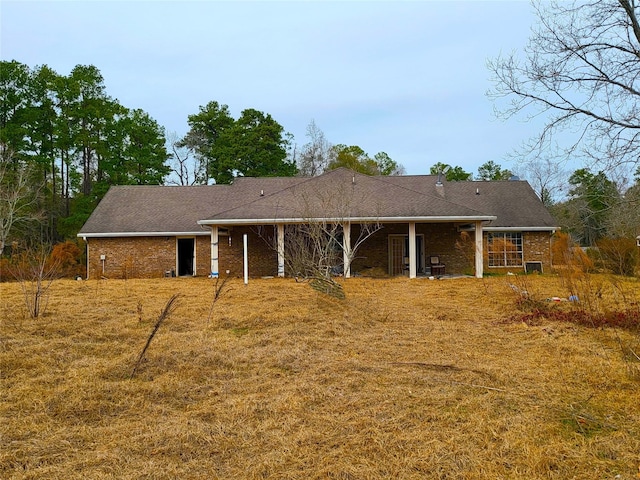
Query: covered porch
x=399 y=248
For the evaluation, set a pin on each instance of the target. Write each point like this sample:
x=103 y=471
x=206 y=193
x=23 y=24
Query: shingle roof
x=154 y=209
x=513 y=202
x=340 y=193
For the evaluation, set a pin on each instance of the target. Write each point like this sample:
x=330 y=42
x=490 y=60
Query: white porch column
x=412 y=250
x=214 y=251
x=479 y=250
x=280 y=237
x=346 y=249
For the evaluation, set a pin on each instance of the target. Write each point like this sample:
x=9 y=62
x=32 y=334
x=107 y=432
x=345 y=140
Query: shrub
x=573 y=266
x=5 y=274
x=618 y=255
x=69 y=259
x=566 y=253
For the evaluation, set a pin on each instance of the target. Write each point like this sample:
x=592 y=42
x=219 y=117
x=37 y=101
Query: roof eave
x=140 y=234
x=517 y=229
x=430 y=219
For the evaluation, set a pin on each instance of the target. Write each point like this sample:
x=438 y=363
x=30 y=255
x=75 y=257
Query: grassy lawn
x=402 y=379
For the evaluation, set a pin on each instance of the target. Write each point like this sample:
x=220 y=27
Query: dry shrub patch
x=402 y=379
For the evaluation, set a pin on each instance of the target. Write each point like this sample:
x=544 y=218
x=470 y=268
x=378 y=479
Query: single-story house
x=465 y=227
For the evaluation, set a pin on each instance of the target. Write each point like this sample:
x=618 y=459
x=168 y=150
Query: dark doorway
x=185 y=256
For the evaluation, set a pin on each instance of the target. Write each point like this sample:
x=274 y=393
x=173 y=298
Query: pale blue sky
x=405 y=77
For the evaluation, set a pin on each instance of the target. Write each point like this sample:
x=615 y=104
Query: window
x=505 y=249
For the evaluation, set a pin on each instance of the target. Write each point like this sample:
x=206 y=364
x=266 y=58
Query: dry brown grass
x=403 y=379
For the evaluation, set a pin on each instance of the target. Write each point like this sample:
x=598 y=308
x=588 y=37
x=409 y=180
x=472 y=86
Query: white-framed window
x=505 y=249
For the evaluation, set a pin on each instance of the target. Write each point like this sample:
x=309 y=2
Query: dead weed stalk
x=168 y=309
x=218 y=289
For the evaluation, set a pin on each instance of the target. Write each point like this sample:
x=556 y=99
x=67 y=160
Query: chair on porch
x=437 y=268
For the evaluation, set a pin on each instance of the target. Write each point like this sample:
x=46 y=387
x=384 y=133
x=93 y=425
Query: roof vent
x=440 y=173
x=477 y=191
x=262 y=193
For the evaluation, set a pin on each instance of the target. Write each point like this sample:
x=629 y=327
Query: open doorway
x=186 y=255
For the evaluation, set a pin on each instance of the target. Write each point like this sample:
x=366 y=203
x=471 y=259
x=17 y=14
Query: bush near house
x=67 y=259
x=618 y=255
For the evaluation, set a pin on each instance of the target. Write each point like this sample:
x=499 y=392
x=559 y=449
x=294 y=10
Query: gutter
x=472 y=228
x=84 y=236
x=520 y=229
x=263 y=221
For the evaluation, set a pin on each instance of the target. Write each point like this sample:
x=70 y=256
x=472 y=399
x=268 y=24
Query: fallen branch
x=433 y=366
x=481 y=386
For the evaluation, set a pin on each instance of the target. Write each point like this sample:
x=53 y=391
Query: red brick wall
x=151 y=257
x=536 y=247
x=142 y=257
x=203 y=256
x=439 y=239
x=262 y=256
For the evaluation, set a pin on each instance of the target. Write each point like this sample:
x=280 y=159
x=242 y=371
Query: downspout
x=86 y=242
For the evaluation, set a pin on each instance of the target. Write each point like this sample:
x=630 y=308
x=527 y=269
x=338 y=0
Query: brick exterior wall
x=142 y=257
x=440 y=239
x=536 y=247
x=262 y=256
x=151 y=257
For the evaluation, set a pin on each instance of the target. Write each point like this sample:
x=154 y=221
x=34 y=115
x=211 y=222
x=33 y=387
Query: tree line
x=64 y=141
x=68 y=142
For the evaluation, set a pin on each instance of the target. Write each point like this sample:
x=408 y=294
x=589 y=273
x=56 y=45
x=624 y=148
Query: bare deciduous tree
x=580 y=71
x=35 y=270
x=315 y=155
x=315 y=248
x=546 y=177
x=186 y=169
x=18 y=194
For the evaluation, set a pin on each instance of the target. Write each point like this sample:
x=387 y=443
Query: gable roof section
x=513 y=202
x=153 y=210
x=338 y=194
